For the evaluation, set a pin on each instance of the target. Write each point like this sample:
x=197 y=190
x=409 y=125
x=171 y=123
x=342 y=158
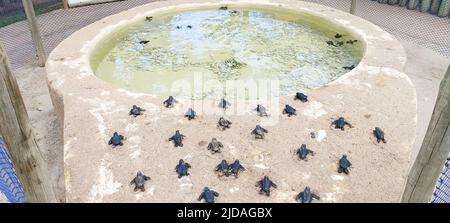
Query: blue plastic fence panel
x=442 y=192
x=9 y=184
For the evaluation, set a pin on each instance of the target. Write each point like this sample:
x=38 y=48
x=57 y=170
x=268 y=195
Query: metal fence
x=9 y=184
x=442 y=192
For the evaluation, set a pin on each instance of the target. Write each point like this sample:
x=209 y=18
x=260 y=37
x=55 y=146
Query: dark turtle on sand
x=223 y=168
x=136 y=111
x=300 y=96
x=340 y=123
x=235 y=168
x=351 y=67
x=170 y=102
x=116 y=140
x=289 y=110
x=265 y=184
x=259 y=132
x=209 y=195
x=379 y=134
x=182 y=168
x=351 y=41
x=190 y=114
x=215 y=146
x=225 y=7
x=224 y=104
x=223 y=123
x=338 y=36
x=344 y=165
x=262 y=111
x=143 y=42
x=303 y=152
x=148 y=18
x=177 y=139
x=306 y=196
x=139 y=181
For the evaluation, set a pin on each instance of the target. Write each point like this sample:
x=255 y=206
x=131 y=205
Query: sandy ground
x=424 y=67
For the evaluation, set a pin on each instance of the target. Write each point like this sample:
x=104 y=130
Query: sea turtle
x=340 y=123
x=136 y=111
x=306 y=196
x=170 y=102
x=148 y=18
x=224 y=104
x=189 y=26
x=265 y=184
x=215 y=146
x=259 y=132
x=177 y=139
x=352 y=41
x=223 y=123
x=351 y=67
x=330 y=43
x=178 y=27
x=379 y=134
x=303 y=152
x=190 y=114
x=338 y=36
x=182 y=168
x=300 y=96
x=223 y=168
x=339 y=43
x=344 y=165
x=143 y=42
x=116 y=140
x=289 y=110
x=225 y=7
x=261 y=110
x=235 y=168
x=208 y=195
x=139 y=181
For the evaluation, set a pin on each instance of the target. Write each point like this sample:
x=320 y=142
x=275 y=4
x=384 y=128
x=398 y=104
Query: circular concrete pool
x=224 y=43
x=376 y=93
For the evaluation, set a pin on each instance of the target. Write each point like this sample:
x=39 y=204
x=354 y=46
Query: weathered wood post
x=65 y=4
x=435 y=148
x=353 y=7
x=19 y=139
x=35 y=34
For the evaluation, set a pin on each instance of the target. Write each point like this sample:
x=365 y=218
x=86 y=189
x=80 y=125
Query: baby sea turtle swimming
x=223 y=168
x=215 y=146
x=223 y=123
x=235 y=168
x=261 y=110
x=289 y=110
x=340 y=123
x=148 y=18
x=351 y=41
x=300 y=96
x=259 y=132
x=170 y=102
x=177 y=139
x=330 y=43
x=339 y=43
x=379 y=134
x=182 y=168
x=136 y=111
x=338 y=36
x=265 y=184
x=190 y=114
x=349 y=67
x=178 y=27
x=143 y=42
x=116 y=140
x=208 y=194
x=303 y=152
x=306 y=196
x=189 y=26
x=139 y=181
x=224 y=104
x=344 y=165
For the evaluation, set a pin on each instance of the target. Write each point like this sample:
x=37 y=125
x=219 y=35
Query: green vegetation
x=20 y=15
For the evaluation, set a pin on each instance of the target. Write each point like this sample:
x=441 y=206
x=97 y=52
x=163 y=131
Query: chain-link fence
x=56 y=24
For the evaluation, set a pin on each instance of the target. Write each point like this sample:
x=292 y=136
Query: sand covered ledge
x=375 y=93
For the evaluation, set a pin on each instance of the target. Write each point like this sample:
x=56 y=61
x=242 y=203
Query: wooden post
x=435 y=149
x=19 y=139
x=65 y=4
x=353 y=7
x=35 y=34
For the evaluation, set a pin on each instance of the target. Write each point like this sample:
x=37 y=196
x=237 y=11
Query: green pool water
x=240 y=43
